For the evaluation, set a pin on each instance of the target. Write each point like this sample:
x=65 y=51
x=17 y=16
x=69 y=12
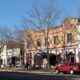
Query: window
x=29 y=41
x=29 y=45
x=29 y=37
x=55 y=39
x=47 y=41
x=39 y=42
x=69 y=38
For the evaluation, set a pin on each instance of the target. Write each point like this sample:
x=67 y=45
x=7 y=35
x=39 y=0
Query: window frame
x=38 y=43
x=29 y=44
x=69 y=38
x=56 y=40
x=47 y=42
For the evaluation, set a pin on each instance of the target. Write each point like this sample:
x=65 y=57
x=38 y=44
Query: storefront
x=14 y=57
x=29 y=58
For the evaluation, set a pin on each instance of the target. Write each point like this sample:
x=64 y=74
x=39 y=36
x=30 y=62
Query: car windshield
x=72 y=64
x=62 y=64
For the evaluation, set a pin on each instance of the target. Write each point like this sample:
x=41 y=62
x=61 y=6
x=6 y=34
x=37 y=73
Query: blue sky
x=70 y=6
x=12 y=11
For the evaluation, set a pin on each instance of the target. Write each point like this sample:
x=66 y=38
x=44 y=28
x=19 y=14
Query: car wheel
x=56 y=71
x=71 y=71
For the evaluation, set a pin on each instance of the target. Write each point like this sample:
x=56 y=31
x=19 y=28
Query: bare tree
x=19 y=39
x=5 y=34
x=68 y=37
x=41 y=19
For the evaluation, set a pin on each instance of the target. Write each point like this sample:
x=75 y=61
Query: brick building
x=63 y=43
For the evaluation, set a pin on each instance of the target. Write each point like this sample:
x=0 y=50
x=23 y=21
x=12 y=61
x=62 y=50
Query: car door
x=63 y=68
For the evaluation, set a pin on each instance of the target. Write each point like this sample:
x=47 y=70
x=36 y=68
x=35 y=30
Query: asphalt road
x=31 y=76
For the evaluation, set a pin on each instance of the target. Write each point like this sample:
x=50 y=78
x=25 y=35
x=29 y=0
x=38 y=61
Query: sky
x=13 y=11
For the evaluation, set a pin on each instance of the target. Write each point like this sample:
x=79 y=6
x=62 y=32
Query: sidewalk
x=3 y=69
x=35 y=71
x=26 y=71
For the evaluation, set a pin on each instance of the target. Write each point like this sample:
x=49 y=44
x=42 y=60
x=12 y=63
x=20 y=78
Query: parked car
x=69 y=68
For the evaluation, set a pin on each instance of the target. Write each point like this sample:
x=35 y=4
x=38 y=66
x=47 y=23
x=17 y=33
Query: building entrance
x=70 y=57
x=52 y=59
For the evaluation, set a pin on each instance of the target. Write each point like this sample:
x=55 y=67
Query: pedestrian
x=27 y=65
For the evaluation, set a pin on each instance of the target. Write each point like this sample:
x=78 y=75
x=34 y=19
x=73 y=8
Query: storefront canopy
x=41 y=54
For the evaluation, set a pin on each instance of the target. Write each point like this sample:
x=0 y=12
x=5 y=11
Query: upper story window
x=28 y=37
x=29 y=44
x=38 y=42
x=69 y=38
x=55 y=39
x=47 y=41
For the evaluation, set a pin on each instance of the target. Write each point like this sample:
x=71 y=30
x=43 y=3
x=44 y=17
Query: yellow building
x=61 y=40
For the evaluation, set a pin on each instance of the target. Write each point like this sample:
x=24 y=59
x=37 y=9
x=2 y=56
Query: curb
x=26 y=71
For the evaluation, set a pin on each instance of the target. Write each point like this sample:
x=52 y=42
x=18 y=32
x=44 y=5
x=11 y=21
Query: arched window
x=56 y=40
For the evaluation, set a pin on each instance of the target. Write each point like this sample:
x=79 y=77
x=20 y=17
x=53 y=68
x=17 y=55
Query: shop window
x=28 y=57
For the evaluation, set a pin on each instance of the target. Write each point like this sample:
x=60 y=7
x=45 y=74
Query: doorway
x=72 y=59
x=52 y=59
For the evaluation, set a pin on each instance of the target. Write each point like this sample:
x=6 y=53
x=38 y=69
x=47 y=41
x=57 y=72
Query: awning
x=42 y=54
x=71 y=50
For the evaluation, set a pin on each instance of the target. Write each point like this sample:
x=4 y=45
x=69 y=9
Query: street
x=35 y=76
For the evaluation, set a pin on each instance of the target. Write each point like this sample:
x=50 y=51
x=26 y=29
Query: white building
x=7 y=54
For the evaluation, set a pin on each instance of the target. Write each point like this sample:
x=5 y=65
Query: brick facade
x=63 y=39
